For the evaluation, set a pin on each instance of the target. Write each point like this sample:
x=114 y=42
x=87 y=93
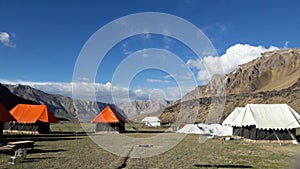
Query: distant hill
x=61 y=106
x=141 y=108
x=64 y=107
x=274 y=77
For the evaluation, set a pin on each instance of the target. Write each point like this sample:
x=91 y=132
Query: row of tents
x=28 y=117
x=37 y=118
x=255 y=122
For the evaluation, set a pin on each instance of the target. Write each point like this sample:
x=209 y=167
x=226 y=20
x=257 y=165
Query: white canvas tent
x=217 y=129
x=228 y=121
x=207 y=129
x=266 y=121
x=151 y=121
x=190 y=129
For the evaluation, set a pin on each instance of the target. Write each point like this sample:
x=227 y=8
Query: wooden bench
x=21 y=144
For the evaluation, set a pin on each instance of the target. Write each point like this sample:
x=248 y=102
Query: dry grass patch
x=75 y=151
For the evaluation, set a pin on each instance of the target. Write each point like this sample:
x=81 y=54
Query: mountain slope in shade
x=10 y=100
x=274 y=77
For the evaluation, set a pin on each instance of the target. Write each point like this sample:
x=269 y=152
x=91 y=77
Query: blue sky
x=41 y=40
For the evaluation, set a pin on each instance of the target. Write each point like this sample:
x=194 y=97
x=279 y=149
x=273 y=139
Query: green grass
x=72 y=127
x=71 y=151
x=217 y=151
x=142 y=127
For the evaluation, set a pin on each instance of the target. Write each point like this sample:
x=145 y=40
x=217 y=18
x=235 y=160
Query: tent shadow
x=36 y=159
x=145 y=131
x=52 y=137
x=221 y=166
x=36 y=151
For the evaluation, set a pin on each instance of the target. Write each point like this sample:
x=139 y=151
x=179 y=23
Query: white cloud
x=167 y=42
x=170 y=93
x=157 y=81
x=84 y=79
x=286 y=44
x=170 y=76
x=235 y=55
x=125 y=49
x=215 y=26
x=178 y=92
x=180 y=77
x=5 y=39
x=147 y=36
x=140 y=92
x=104 y=92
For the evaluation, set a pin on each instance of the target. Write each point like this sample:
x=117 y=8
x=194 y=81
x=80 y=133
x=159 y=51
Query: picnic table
x=21 y=144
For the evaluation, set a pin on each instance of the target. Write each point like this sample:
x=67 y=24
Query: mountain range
x=274 y=77
x=66 y=108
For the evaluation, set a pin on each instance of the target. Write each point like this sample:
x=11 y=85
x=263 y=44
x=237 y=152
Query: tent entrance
x=111 y=127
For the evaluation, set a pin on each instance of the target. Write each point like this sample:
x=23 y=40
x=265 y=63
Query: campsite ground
x=78 y=151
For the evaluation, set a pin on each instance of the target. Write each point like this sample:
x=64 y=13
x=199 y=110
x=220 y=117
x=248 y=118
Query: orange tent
x=108 y=115
x=5 y=116
x=109 y=120
x=27 y=113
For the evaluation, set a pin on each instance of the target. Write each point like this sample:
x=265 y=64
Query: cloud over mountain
x=235 y=55
x=103 y=92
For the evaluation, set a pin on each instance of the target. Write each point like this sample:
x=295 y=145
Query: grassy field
x=79 y=151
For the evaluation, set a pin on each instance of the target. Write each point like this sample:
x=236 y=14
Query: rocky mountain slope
x=273 y=70
x=274 y=77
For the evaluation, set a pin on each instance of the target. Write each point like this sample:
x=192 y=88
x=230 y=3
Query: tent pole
x=276 y=136
x=293 y=137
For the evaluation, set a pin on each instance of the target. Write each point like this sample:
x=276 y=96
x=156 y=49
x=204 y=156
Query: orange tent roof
x=108 y=115
x=5 y=116
x=27 y=113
